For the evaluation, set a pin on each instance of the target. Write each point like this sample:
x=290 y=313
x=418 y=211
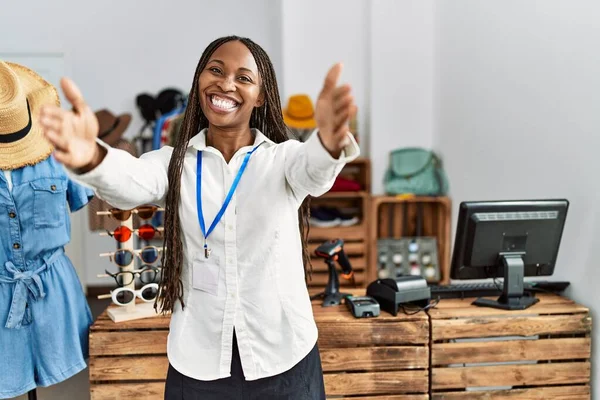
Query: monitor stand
x=512 y=297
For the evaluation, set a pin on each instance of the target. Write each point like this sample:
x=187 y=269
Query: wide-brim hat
x=110 y=126
x=22 y=93
x=299 y=112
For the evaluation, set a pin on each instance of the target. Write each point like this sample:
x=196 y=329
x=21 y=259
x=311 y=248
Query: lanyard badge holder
x=219 y=215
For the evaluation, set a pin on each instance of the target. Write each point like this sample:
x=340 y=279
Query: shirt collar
x=198 y=142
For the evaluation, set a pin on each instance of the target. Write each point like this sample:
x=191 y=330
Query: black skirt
x=303 y=382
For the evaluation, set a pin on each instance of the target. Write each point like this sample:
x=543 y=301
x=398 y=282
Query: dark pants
x=303 y=382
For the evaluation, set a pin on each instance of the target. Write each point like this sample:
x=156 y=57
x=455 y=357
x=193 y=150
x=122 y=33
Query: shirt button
x=230 y=227
x=16 y=246
x=53 y=187
x=12 y=214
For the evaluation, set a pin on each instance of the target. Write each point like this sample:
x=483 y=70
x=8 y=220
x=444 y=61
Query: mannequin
x=44 y=315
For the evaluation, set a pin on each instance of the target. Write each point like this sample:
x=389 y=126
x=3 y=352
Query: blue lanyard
x=227 y=198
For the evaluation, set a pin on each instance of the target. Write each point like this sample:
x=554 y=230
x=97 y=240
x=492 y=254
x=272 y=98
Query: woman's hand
x=335 y=107
x=73 y=133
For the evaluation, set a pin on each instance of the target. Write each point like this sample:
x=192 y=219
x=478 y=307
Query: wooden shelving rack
x=355 y=237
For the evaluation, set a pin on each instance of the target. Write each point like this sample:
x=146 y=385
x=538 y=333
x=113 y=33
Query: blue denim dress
x=44 y=315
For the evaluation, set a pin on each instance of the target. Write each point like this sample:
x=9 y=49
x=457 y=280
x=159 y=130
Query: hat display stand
x=154 y=110
x=135 y=309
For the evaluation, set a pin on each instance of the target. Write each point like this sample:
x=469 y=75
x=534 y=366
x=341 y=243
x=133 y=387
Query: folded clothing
x=342 y=184
x=328 y=217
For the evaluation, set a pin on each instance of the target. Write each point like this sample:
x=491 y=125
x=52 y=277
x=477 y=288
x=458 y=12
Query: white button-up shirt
x=260 y=286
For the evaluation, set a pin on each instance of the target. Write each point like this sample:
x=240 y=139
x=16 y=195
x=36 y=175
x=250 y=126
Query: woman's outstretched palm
x=73 y=133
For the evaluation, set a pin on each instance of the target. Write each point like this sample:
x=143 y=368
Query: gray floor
x=77 y=387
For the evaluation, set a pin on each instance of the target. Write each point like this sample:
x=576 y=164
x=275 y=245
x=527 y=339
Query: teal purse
x=417 y=171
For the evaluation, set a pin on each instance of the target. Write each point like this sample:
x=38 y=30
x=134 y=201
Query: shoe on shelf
x=329 y=217
x=321 y=218
x=347 y=217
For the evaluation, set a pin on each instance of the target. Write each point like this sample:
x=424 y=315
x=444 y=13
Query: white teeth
x=220 y=102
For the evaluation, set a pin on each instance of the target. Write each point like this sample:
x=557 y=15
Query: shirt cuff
x=320 y=157
x=95 y=175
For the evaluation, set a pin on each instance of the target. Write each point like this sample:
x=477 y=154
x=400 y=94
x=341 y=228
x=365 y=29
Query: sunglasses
x=123 y=233
x=144 y=212
x=147 y=275
x=125 y=296
x=124 y=257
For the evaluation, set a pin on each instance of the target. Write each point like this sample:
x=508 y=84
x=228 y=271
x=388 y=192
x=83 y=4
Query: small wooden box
x=387 y=221
x=539 y=353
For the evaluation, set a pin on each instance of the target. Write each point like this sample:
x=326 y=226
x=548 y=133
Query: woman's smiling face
x=230 y=86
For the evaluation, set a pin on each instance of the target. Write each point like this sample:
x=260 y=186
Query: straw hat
x=299 y=112
x=22 y=93
x=111 y=127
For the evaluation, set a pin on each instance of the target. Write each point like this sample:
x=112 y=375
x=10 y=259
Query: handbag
x=417 y=171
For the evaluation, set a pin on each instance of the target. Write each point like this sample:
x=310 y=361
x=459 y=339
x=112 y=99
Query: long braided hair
x=268 y=119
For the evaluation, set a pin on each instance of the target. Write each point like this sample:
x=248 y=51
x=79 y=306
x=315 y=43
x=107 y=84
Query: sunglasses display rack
x=129 y=303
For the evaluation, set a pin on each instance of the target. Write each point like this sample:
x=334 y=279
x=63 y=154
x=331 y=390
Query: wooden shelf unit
x=355 y=236
x=437 y=212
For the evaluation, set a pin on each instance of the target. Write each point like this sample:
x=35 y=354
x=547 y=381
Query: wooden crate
x=387 y=221
x=539 y=353
x=355 y=237
x=381 y=358
x=128 y=360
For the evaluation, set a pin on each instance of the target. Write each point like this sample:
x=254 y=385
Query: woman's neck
x=228 y=141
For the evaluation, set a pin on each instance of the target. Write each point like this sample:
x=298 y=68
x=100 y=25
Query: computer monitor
x=509 y=239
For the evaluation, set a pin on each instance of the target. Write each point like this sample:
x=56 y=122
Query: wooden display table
x=544 y=351
x=386 y=355
x=540 y=353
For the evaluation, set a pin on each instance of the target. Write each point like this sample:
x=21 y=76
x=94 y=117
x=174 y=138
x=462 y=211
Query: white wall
x=116 y=50
x=317 y=34
x=387 y=50
x=517 y=116
x=401 y=79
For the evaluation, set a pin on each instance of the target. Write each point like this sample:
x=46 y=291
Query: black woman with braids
x=235 y=190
